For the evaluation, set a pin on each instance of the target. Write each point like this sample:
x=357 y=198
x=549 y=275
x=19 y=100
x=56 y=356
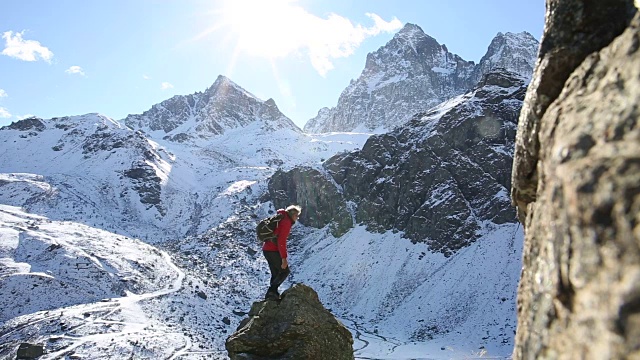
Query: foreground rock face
x=573 y=30
x=577 y=185
x=296 y=327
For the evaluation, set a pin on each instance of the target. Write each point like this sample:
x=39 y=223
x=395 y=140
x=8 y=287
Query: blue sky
x=119 y=57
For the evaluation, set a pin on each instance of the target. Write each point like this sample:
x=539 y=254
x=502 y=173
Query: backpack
x=267 y=226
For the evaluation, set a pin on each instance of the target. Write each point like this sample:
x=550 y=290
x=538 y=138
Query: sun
x=277 y=29
x=261 y=28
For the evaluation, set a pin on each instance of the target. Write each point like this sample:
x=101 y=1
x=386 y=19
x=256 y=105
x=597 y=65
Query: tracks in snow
x=124 y=314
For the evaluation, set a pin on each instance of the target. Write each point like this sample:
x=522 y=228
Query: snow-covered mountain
x=413 y=73
x=515 y=52
x=86 y=204
x=85 y=293
x=135 y=238
x=95 y=170
x=222 y=107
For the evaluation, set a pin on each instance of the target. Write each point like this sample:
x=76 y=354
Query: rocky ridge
x=440 y=179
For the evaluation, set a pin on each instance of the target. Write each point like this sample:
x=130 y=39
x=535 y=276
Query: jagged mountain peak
x=413 y=73
x=511 y=41
x=223 y=86
x=523 y=35
x=514 y=51
x=271 y=102
x=409 y=74
x=409 y=28
x=221 y=79
x=223 y=106
x=412 y=32
x=410 y=43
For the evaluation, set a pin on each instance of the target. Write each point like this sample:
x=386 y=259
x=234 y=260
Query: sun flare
x=265 y=28
x=280 y=28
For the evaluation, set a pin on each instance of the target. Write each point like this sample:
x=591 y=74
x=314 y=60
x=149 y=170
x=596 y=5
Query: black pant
x=278 y=274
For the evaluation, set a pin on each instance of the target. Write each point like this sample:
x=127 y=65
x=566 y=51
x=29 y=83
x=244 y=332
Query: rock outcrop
x=29 y=351
x=318 y=195
x=576 y=183
x=296 y=327
x=573 y=30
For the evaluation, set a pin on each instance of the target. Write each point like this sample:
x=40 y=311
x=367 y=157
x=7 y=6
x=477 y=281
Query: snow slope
x=83 y=284
x=101 y=173
x=376 y=280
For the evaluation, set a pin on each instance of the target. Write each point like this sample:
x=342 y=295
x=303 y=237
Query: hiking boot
x=272 y=295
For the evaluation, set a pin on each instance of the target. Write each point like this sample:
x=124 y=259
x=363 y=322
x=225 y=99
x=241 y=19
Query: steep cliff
x=440 y=179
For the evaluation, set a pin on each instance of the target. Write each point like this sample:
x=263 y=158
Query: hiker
x=276 y=251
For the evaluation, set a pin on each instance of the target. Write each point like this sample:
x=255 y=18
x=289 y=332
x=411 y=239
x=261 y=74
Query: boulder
x=29 y=351
x=296 y=327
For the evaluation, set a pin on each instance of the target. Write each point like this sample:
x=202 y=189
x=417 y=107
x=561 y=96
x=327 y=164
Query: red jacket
x=282 y=231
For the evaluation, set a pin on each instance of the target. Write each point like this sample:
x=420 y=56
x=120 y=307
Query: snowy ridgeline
x=93 y=293
x=92 y=169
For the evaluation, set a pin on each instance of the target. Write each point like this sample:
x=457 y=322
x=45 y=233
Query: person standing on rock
x=276 y=251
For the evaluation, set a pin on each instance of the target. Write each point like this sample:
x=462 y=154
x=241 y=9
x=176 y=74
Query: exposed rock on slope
x=440 y=178
x=413 y=73
x=297 y=327
x=576 y=182
x=92 y=150
x=321 y=200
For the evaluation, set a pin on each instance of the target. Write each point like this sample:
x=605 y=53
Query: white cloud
x=3 y=93
x=165 y=85
x=4 y=113
x=24 y=116
x=27 y=50
x=146 y=77
x=75 y=70
x=280 y=28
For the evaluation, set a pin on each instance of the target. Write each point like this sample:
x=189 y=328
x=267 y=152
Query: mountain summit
x=516 y=52
x=413 y=73
x=223 y=106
